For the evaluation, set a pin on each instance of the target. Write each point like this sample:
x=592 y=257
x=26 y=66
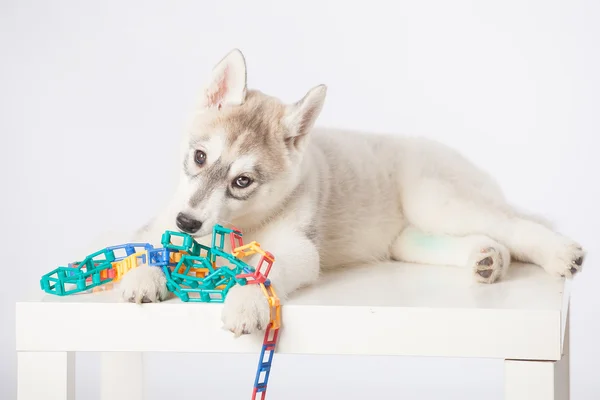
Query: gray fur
x=213 y=176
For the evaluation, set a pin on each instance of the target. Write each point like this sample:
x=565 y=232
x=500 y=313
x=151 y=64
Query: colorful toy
x=97 y=269
x=192 y=274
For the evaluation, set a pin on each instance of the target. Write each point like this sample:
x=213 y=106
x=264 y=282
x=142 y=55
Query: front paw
x=144 y=285
x=246 y=310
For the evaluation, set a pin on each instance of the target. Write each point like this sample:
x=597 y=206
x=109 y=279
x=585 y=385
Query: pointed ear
x=227 y=85
x=301 y=116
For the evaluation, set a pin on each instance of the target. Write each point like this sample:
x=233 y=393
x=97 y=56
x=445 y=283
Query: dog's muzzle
x=188 y=224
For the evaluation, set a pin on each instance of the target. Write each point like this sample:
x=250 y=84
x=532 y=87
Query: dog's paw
x=489 y=263
x=246 y=310
x=144 y=285
x=566 y=258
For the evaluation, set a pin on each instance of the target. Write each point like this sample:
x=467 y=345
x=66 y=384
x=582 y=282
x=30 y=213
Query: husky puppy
x=319 y=199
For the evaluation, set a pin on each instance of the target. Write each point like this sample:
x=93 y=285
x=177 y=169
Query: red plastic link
x=272 y=342
x=257 y=276
x=236 y=238
x=262 y=397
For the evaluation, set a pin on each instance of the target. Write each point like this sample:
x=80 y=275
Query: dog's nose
x=187 y=223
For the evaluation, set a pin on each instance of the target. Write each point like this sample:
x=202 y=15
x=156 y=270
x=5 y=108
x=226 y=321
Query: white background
x=94 y=96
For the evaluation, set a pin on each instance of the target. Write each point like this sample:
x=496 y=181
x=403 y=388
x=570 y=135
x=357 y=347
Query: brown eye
x=242 y=182
x=200 y=157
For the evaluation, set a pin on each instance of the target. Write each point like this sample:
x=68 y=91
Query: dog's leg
x=487 y=259
x=144 y=284
x=296 y=264
x=437 y=207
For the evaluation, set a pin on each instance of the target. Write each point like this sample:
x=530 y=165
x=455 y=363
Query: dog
x=323 y=198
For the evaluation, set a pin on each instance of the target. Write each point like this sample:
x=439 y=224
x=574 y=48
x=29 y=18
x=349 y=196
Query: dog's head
x=242 y=153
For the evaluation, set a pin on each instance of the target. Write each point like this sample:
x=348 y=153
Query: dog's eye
x=242 y=182
x=200 y=157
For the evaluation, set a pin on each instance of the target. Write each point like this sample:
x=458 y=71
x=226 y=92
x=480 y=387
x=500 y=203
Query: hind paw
x=567 y=260
x=490 y=263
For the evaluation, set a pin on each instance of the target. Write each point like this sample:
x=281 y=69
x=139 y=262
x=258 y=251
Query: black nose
x=187 y=223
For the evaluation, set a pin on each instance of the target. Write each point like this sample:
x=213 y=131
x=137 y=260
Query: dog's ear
x=227 y=85
x=301 y=116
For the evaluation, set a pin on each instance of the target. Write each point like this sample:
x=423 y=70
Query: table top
x=385 y=308
x=394 y=284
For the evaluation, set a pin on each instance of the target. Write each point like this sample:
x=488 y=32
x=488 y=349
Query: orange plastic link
x=274 y=305
x=102 y=288
x=199 y=272
x=175 y=257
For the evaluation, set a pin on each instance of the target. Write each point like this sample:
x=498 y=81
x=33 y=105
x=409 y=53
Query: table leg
x=122 y=376
x=538 y=380
x=45 y=375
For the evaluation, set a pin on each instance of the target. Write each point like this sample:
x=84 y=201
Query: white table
x=385 y=309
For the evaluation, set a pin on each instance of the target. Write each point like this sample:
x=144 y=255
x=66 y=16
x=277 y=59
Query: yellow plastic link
x=250 y=249
x=127 y=264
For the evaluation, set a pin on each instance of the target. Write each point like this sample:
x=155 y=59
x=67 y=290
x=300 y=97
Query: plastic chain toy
x=192 y=274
